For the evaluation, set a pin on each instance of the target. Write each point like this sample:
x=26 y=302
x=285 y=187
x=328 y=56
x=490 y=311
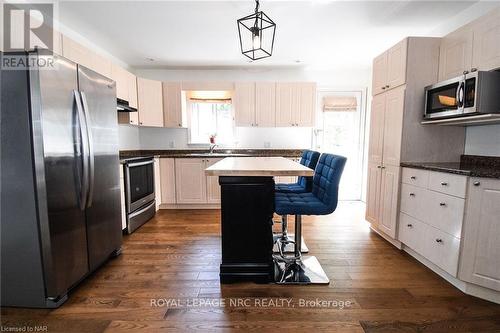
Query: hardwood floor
x=176 y=255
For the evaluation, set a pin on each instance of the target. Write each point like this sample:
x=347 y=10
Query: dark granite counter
x=203 y=153
x=469 y=165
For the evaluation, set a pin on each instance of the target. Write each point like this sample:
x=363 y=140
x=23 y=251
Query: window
x=209 y=118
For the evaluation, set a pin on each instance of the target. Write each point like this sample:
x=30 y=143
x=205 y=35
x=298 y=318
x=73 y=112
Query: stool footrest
x=306 y=270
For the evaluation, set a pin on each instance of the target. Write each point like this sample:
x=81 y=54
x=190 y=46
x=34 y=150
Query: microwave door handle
x=91 y=149
x=461 y=94
x=85 y=150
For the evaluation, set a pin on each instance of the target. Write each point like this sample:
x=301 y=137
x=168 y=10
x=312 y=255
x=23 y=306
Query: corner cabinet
x=150 y=99
x=479 y=262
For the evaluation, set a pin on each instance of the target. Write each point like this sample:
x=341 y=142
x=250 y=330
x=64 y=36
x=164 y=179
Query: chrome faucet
x=212 y=148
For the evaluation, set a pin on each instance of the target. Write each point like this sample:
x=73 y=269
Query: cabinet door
x=100 y=64
x=120 y=75
x=190 y=181
x=172 y=104
x=486 y=54
x=157 y=182
x=305 y=113
x=132 y=93
x=373 y=193
x=149 y=94
x=265 y=104
x=287 y=103
x=76 y=52
x=393 y=126
x=244 y=103
x=167 y=180
x=396 y=65
x=481 y=236
x=455 y=53
x=379 y=80
x=376 y=143
x=213 y=187
x=389 y=194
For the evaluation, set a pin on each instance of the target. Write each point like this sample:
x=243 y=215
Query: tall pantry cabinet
x=399 y=77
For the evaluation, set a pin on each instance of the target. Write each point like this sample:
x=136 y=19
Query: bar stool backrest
x=309 y=159
x=326 y=179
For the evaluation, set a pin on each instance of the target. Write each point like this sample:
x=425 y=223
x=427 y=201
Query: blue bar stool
x=322 y=200
x=304 y=184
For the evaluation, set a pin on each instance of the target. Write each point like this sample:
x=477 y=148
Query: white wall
x=246 y=137
x=483 y=140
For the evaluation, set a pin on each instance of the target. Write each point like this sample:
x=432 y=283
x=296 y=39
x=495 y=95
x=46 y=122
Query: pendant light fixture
x=256 y=33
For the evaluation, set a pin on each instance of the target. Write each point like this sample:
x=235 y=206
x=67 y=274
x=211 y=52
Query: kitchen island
x=247 y=208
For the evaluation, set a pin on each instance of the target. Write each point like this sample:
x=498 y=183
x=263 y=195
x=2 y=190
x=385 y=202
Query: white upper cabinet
x=393 y=126
x=172 y=104
x=486 y=52
x=244 y=103
x=379 y=74
x=149 y=94
x=481 y=240
x=389 y=68
x=132 y=90
x=80 y=54
x=376 y=143
x=455 y=54
x=265 y=104
x=295 y=104
x=120 y=76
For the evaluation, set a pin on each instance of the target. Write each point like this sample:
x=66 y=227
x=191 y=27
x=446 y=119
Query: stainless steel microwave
x=470 y=94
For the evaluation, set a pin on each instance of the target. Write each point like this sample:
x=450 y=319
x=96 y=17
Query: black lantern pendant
x=256 y=34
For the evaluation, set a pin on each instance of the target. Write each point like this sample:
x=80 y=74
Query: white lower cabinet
x=431 y=222
x=389 y=201
x=213 y=187
x=479 y=263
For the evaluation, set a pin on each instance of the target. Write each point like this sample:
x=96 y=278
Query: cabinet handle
x=412 y=194
x=477 y=183
x=379 y=166
x=140 y=123
x=466 y=72
x=409 y=225
x=439 y=240
x=383 y=88
x=180 y=125
x=473 y=69
x=413 y=177
x=383 y=167
x=442 y=204
x=444 y=183
x=387 y=86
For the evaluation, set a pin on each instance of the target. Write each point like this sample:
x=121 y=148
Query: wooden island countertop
x=258 y=167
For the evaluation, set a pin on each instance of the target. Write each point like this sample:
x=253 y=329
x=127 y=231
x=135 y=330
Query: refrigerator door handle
x=85 y=150
x=91 y=149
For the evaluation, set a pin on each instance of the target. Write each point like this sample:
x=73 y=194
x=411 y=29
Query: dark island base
x=247 y=208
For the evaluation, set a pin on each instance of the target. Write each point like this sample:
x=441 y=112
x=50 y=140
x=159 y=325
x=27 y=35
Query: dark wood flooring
x=176 y=255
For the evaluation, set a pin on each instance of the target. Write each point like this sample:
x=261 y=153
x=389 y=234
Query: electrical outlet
x=267 y=144
x=171 y=144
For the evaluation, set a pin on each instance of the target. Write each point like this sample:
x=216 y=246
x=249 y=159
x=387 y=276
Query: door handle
x=91 y=150
x=85 y=151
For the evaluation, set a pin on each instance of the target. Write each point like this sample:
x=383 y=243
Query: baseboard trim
x=466 y=287
x=189 y=206
x=394 y=242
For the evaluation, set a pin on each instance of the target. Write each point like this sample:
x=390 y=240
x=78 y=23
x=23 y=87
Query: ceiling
x=203 y=34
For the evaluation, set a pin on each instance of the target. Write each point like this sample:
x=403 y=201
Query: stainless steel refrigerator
x=60 y=194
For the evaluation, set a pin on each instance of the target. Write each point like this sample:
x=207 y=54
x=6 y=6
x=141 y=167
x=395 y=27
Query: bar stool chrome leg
x=298 y=269
x=287 y=239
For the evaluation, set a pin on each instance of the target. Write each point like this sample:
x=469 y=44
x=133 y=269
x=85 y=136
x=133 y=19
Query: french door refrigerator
x=60 y=194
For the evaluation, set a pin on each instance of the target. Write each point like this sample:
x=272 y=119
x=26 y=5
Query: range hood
x=123 y=106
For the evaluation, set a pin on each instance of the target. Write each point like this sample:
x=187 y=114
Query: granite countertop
x=203 y=153
x=469 y=165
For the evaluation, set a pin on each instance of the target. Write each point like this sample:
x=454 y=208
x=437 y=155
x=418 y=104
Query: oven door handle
x=136 y=164
x=142 y=210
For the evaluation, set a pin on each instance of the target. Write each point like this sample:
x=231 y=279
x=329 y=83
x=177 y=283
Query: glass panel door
x=341 y=131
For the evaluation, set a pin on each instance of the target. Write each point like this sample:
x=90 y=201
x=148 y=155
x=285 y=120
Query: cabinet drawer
x=413 y=202
x=415 y=177
x=442 y=249
x=411 y=232
x=448 y=183
x=444 y=212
